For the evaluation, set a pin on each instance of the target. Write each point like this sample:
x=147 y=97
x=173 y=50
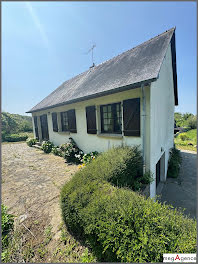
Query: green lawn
x=184 y=140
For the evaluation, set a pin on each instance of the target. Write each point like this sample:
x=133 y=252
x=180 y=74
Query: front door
x=44 y=127
x=158 y=173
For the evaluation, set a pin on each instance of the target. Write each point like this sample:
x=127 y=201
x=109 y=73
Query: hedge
x=118 y=223
x=15 y=138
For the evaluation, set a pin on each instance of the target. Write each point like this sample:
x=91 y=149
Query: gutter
x=100 y=94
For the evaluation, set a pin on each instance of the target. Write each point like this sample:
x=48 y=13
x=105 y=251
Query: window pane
x=104 y=109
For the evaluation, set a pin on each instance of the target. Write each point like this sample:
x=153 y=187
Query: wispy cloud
x=37 y=23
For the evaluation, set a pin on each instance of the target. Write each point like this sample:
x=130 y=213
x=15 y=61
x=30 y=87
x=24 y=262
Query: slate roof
x=125 y=71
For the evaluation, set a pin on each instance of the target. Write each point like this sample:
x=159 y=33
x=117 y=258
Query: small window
x=64 y=121
x=54 y=122
x=111 y=118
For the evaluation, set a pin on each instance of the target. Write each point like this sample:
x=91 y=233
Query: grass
x=184 y=140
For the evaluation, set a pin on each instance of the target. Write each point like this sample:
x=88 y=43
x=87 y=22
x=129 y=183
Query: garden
x=102 y=207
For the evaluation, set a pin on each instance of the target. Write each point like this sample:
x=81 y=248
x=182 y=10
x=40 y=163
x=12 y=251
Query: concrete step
x=37 y=146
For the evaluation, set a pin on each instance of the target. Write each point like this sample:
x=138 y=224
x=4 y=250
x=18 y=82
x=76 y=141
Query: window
x=54 y=122
x=68 y=121
x=111 y=118
x=64 y=121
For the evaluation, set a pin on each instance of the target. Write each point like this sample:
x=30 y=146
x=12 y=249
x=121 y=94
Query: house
x=127 y=100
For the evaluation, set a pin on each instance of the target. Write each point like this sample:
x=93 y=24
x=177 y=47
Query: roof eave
x=116 y=90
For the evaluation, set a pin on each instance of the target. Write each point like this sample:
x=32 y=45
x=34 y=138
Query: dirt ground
x=31 y=183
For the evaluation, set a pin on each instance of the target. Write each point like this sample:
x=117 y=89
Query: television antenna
x=91 y=50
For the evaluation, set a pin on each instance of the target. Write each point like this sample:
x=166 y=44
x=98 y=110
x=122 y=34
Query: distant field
x=187 y=140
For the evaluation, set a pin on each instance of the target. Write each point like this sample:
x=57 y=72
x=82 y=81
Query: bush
x=31 y=141
x=87 y=158
x=47 y=146
x=71 y=152
x=7 y=225
x=174 y=163
x=192 y=122
x=183 y=137
x=57 y=151
x=15 y=137
x=119 y=224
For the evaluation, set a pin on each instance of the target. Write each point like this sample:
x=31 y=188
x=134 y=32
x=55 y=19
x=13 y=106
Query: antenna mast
x=91 y=49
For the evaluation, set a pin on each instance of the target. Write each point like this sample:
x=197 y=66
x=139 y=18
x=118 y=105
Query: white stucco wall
x=162 y=117
x=89 y=142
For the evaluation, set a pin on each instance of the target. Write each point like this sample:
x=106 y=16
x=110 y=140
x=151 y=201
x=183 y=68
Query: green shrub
x=71 y=152
x=15 y=137
x=57 y=151
x=87 y=158
x=31 y=141
x=174 y=163
x=47 y=146
x=192 y=122
x=119 y=224
x=183 y=137
x=7 y=225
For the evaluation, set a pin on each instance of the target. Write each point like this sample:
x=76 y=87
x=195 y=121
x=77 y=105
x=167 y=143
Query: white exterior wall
x=162 y=117
x=89 y=142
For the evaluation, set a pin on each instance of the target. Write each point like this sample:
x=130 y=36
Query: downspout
x=143 y=126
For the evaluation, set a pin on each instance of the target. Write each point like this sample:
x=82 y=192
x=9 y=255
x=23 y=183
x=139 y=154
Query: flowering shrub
x=81 y=165
x=71 y=152
x=47 y=146
x=57 y=151
x=87 y=158
x=31 y=141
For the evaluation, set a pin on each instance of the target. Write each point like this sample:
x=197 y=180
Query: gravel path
x=182 y=192
x=31 y=183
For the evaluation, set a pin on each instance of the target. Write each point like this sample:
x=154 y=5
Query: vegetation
x=7 y=225
x=174 y=163
x=186 y=120
x=119 y=224
x=87 y=158
x=71 y=152
x=47 y=146
x=187 y=140
x=15 y=137
x=57 y=151
x=15 y=124
x=31 y=141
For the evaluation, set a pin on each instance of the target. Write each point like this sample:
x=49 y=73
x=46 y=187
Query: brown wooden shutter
x=36 y=127
x=131 y=115
x=91 y=119
x=72 y=120
x=54 y=122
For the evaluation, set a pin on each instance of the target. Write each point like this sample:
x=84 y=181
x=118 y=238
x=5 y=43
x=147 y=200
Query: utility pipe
x=143 y=125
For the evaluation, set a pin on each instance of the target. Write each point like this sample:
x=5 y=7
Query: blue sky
x=44 y=44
